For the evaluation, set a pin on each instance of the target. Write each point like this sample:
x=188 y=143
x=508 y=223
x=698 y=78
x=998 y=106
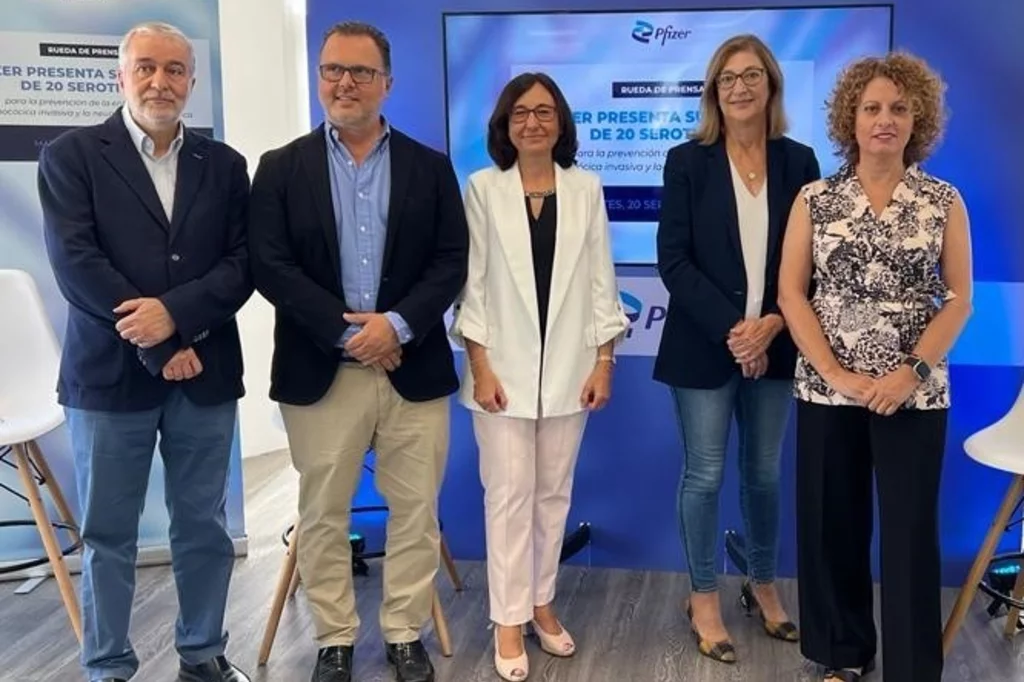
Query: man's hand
x=389 y=363
x=376 y=341
x=183 y=365
x=750 y=339
x=146 y=323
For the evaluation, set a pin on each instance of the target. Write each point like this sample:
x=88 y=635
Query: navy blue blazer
x=109 y=240
x=297 y=265
x=700 y=260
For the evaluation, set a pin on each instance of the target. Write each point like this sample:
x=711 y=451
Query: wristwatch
x=920 y=367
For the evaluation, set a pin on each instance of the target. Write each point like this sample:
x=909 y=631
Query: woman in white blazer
x=539 y=317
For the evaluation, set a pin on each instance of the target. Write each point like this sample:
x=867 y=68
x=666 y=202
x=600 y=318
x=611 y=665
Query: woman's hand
x=487 y=390
x=892 y=391
x=857 y=387
x=598 y=388
x=750 y=339
x=756 y=368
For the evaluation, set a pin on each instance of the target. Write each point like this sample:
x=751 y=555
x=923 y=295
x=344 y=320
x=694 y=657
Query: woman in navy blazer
x=724 y=349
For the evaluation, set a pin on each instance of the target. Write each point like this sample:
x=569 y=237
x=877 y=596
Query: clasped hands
x=883 y=396
x=376 y=344
x=748 y=342
x=147 y=323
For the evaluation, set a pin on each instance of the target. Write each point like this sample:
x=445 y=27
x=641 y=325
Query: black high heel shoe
x=723 y=652
x=786 y=630
x=846 y=675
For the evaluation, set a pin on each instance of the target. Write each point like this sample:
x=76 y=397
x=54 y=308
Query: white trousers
x=526 y=467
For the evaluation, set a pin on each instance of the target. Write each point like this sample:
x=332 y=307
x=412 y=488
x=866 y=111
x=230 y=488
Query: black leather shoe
x=333 y=664
x=410 y=661
x=113 y=679
x=214 y=670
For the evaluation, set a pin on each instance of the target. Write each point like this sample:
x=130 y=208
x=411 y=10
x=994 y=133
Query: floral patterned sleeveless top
x=877 y=279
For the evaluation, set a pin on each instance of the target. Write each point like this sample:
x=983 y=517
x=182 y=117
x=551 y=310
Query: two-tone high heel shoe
x=514 y=669
x=786 y=630
x=561 y=645
x=723 y=652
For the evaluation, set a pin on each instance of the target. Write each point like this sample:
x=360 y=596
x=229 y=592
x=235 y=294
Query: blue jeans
x=113 y=452
x=762 y=410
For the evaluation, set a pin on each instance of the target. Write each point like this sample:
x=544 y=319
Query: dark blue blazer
x=109 y=240
x=297 y=265
x=700 y=260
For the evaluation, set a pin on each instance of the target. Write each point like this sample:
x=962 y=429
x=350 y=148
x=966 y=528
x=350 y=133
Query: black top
x=542 y=244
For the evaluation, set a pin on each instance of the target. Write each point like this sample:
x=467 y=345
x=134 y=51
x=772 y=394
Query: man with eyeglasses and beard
x=359 y=239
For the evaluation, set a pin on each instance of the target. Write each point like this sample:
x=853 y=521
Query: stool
x=288 y=583
x=29 y=366
x=1000 y=446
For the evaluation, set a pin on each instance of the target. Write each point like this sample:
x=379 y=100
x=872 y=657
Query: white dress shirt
x=162 y=170
x=752 y=212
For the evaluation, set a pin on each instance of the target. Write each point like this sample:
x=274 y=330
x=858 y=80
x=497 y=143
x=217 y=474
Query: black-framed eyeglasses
x=750 y=76
x=545 y=113
x=360 y=74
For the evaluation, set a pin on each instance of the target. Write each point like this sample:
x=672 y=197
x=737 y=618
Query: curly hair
x=922 y=87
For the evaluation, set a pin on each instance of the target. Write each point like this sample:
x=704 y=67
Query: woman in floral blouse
x=887 y=246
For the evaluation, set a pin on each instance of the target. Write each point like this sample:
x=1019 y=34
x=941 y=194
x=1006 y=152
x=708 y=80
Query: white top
x=162 y=170
x=752 y=212
x=498 y=305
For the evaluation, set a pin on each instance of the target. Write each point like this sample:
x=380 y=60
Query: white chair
x=29 y=363
x=1000 y=446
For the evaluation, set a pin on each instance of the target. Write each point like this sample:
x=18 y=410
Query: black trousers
x=838 y=449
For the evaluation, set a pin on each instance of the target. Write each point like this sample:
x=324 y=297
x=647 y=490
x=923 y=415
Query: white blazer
x=498 y=306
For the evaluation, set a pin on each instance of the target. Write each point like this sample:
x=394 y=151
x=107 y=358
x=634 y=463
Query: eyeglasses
x=360 y=74
x=751 y=76
x=544 y=113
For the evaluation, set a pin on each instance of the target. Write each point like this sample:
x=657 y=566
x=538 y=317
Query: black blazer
x=700 y=260
x=296 y=265
x=108 y=240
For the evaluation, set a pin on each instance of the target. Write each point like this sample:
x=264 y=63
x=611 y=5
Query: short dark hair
x=500 y=146
x=359 y=28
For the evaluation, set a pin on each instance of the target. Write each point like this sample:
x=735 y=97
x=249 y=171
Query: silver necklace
x=540 y=195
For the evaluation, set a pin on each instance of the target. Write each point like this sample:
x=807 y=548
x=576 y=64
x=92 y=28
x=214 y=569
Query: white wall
x=266 y=104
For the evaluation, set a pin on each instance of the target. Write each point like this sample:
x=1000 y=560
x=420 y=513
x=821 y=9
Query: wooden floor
x=628 y=625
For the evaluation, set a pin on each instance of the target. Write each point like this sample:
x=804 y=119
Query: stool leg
x=288 y=570
x=53 y=553
x=36 y=455
x=449 y=564
x=1018 y=593
x=293 y=587
x=981 y=562
x=441 y=626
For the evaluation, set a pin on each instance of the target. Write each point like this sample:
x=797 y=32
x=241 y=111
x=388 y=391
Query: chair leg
x=1018 y=593
x=441 y=626
x=35 y=454
x=293 y=586
x=53 y=552
x=449 y=564
x=981 y=562
x=289 y=570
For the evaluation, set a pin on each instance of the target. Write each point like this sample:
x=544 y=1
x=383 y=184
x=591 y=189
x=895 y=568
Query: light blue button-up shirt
x=360 y=194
